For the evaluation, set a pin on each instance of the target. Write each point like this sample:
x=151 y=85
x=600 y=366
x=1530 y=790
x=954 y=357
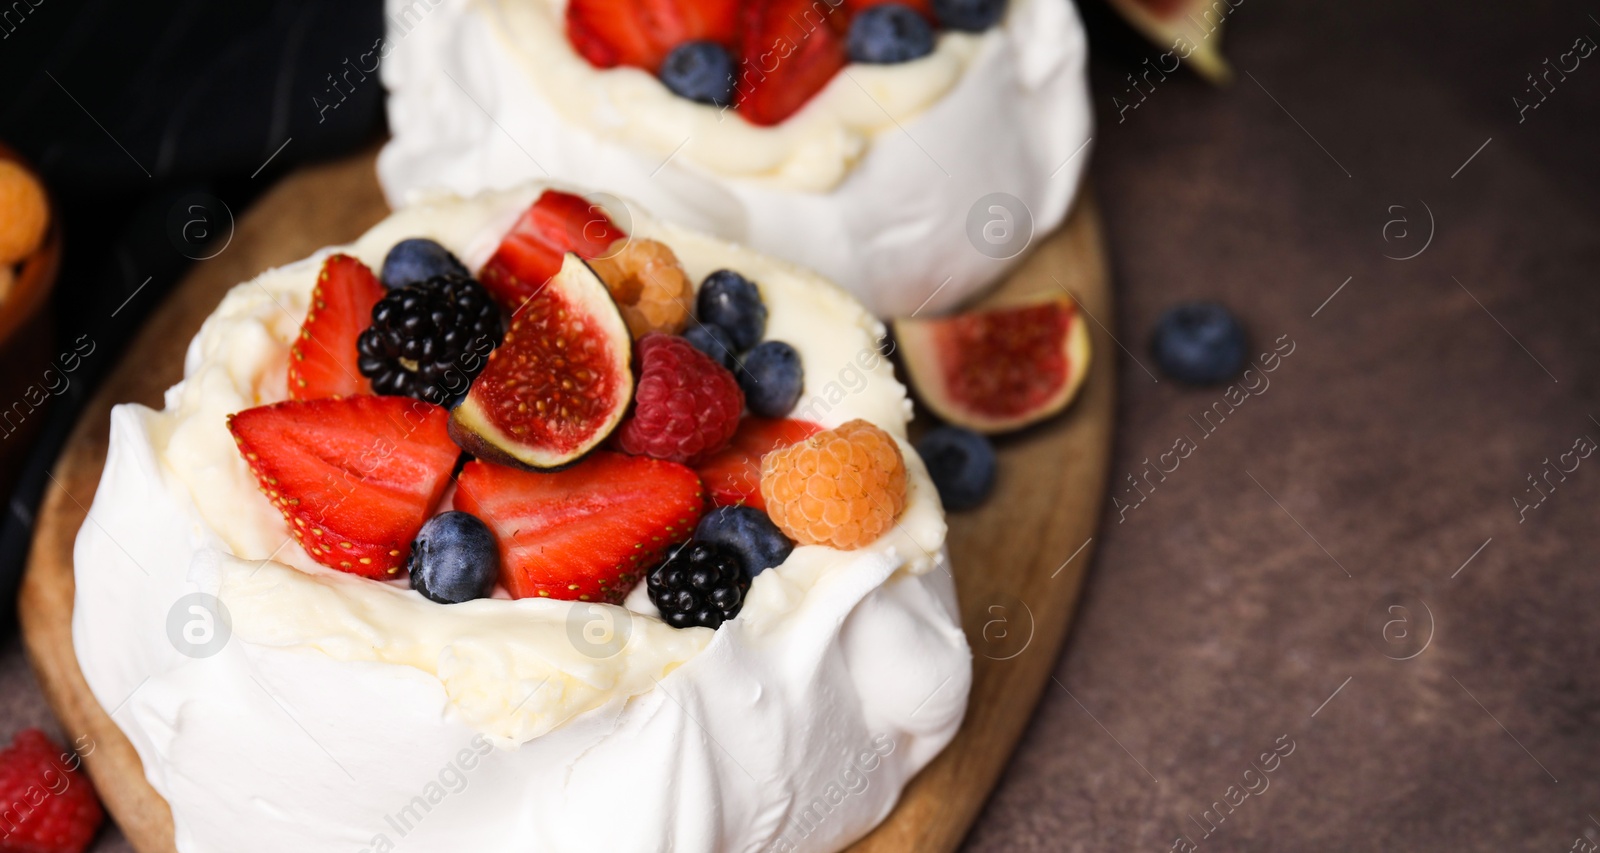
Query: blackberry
x=430 y=340
x=702 y=583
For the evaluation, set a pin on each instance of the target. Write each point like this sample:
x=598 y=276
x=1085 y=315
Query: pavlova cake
x=907 y=150
x=509 y=527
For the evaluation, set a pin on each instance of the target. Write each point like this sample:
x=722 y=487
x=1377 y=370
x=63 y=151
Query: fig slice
x=1000 y=369
x=558 y=385
x=1189 y=29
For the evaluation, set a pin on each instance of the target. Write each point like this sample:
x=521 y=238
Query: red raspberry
x=46 y=803
x=686 y=407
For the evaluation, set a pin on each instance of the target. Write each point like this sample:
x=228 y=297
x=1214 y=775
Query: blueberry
x=748 y=532
x=961 y=463
x=889 y=33
x=700 y=71
x=1200 y=343
x=416 y=260
x=454 y=559
x=973 y=16
x=729 y=300
x=713 y=341
x=771 y=379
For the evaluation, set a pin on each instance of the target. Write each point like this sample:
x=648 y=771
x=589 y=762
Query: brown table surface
x=1245 y=596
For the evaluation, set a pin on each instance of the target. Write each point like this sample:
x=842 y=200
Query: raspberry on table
x=49 y=804
x=843 y=487
x=649 y=285
x=686 y=407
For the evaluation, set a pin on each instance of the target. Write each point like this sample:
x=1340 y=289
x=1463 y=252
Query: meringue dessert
x=909 y=151
x=655 y=604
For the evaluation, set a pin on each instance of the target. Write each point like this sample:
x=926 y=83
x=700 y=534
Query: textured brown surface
x=1398 y=433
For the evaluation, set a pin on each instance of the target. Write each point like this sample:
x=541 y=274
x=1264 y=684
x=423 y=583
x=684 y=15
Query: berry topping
x=772 y=379
x=46 y=803
x=842 y=488
x=686 y=407
x=454 y=559
x=559 y=383
x=430 y=340
x=641 y=33
x=700 y=71
x=354 y=477
x=713 y=341
x=999 y=369
x=733 y=476
x=889 y=33
x=701 y=585
x=417 y=259
x=729 y=300
x=1200 y=343
x=323 y=360
x=973 y=16
x=790 y=50
x=747 y=532
x=532 y=250
x=648 y=284
x=961 y=463
x=588 y=532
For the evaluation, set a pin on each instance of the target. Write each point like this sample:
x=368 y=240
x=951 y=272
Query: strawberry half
x=322 y=362
x=789 y=52
x=355 y=477
x=588 y=532
x=533 y=249
x=640 y=33
x=733 y=476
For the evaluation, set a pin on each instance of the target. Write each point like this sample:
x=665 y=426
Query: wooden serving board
x=1019 y=560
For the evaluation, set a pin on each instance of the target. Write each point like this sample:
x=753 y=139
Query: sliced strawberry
x=355 y=477
x=322 y=362
x=533 y=249
x=641 y=33
x=733 y=476
x=588 y=532
x=789 y=51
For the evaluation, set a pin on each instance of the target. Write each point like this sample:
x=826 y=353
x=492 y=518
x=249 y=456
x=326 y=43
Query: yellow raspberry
x=843 y=487
x=649 y=285
x=24 y=212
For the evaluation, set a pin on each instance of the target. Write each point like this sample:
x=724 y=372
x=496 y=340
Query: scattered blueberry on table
x=1200 y=343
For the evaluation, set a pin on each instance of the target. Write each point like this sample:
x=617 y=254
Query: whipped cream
x=349 y=715
x=871 y=183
